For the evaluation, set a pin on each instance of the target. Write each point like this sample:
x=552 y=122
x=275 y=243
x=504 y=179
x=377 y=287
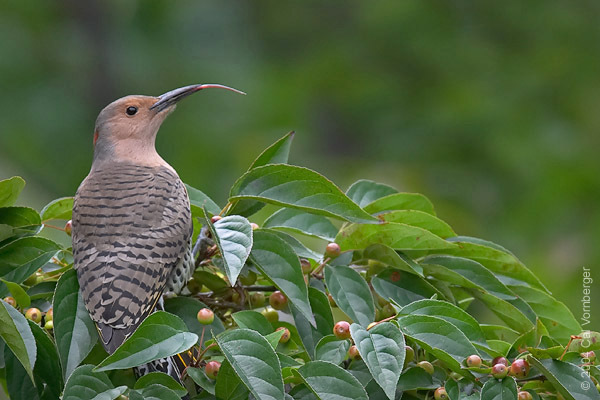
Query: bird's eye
x=131 y=110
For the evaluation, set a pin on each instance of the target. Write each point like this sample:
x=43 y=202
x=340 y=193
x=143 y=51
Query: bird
x=131 y=221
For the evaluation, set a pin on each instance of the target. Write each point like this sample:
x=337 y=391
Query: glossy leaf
x=18 y=382
x=570 y=380
x=309 y=335
x=351 y=293
x=499 y=389
x=10 y=190
x=18 y=222
x=19 y=294
x=421 y=219
x=277 y=260
x=233 y=236
x=395 y=235
x=85 y=383
x=201 y=200
x=332 y=349
x=161 y=379
x=228 y=385
x=199 y=377
x=300 y=188
x=47 y=364
x=74 y=331
x=417 y=378
x=252 y=320
x=187 y=309
x=22 y=257
x=17 y=335
x=402 y=287
x=400 y=201
x=391 y=257
x=328 y=381
x=254 y=361
x=364 y=191
x=299 y=248
x=382 y=349
x=156 y=392
x=302 y=222
x=160 y=335
x=58 y=209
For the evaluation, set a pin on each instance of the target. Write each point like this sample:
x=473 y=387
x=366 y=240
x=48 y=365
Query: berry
x=249 y=279
x=500 y=360
x=589 y=356
x=427 y=366
x=277 y=300
x=409 y=355
x=519 y=368
x=215 y=218
x=353 y=353
x=332 y=250
x=395 y=276
x=49 y=315
x=69 y=227
x=341 y=330
x=254 y=226
x=257 y=299
x=286 y=334
x=212 y=369
x=440 y=393
x=49 y=325
x=206 y=316
x=34 y=315
x=524 y=395
x=473 y=361
x=499 y=371
x=331 y=300
x=271 y=315
x=306 y=267
x=11 y=301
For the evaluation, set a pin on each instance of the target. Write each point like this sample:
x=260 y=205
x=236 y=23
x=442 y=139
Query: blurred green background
x=491 y=109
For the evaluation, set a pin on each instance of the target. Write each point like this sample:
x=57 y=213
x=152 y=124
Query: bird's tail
x=172 y=366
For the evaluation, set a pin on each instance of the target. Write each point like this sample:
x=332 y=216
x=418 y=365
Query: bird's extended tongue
x=172 y=97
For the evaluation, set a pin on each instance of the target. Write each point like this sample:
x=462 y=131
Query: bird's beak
x=170 y=98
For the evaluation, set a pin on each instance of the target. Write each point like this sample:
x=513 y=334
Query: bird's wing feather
x=131 y=225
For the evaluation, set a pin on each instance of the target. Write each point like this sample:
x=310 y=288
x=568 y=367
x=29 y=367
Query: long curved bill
x=172 y=97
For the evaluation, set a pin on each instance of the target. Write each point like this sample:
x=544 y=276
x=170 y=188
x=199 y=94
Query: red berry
x=49 y=315
x=306 y=267
x=499 y=371
x=427 y=366
x=212 y=369
x=254 y=226
x=519 y=368
x=473 y=361
x=69 y=227
x=589 y=356
x=353 y=353
x=341 y=330
x=440 y=393
x=524 y=395
x=277 y=300
x=34 y=315
x=206 y=316
x=215 y=218
x=11 y=301
x=332 y=250
x=500 y=360
x=286 y=334
x=395 y=276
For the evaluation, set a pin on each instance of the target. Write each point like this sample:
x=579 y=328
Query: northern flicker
x=132 y=224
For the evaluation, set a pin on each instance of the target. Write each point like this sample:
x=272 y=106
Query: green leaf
x=557 y=318
x=421 y=219
x=233 y=236
x=229 y=386
x=391 y=257
x=417 y=378
x=300 y=249
x=302 y=222
x=187 y=309
x=328 y=381
x=402 y=287
x=569 y=380
x=382 y=349
x=400 y=201
x=309 y=335
x=199 y=377
x=451 y=313
x=85 y=383
x=302 y=392
x=201 y=200
x=22 y=257
x=351 y=293
x=18 y=293
x=277 y=153
x=10 y=190
x=364 y=192
x=254 y=361
x=395 y=235
x=332 y=349
x=157 y=392
x=74 y=331
x=300 y=188
x=19 y=222
x=15 y=379
x=442 y=339
x=277 y=260
x=496 y=389
x=158 y=336
x=160 y=378
x=17 y=335
x=58 y=209
x=252 y=320
x=47 y=364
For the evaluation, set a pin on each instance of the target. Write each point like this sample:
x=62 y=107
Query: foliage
x=409 y=286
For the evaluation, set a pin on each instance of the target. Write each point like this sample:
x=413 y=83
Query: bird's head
x=126 y=128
